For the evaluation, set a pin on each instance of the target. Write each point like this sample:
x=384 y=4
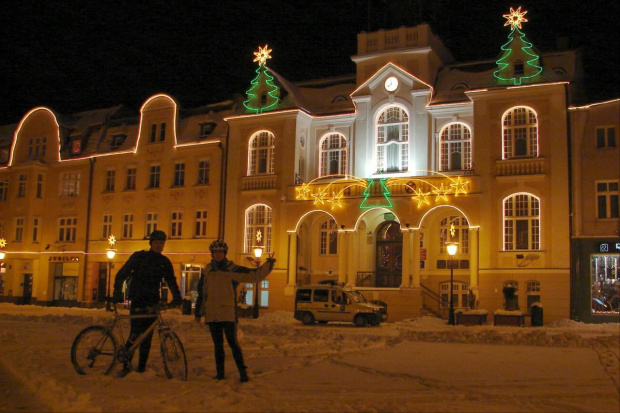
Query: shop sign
x=609 y=247
x=63 y=258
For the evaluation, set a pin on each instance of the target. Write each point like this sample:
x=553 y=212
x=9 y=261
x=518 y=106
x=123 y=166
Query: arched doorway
x=389 y=262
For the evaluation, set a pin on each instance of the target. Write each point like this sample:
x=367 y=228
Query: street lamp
x=111 y=252
x=258 y=252
x=451 y=247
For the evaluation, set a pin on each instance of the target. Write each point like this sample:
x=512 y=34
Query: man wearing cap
x=144 y=270
x=216 y=301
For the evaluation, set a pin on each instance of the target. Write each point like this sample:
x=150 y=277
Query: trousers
x=218 y=330
x=139 y=326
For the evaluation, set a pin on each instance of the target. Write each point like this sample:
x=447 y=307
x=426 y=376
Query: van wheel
x=307 y=318
x=360 y=320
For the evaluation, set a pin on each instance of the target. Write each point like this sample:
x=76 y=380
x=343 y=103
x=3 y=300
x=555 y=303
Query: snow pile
x=414 y=365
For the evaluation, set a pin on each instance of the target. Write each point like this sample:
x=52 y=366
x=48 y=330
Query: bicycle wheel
x=94 y=351
x=175 y=363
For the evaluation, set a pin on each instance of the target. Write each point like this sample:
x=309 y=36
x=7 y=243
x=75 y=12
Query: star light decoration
x=259 y=236
x=515 y=18
x=262 y=55
x=341 y=187
x=111 y=240
x=2 y=243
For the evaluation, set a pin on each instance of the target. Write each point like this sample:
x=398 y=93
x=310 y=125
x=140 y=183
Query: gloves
x=176 y=302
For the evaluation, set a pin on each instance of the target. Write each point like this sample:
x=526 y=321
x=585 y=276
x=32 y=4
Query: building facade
x=360 y=179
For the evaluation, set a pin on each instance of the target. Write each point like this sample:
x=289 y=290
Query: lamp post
x=111 y=252
x=451 y=247
x=258 y=252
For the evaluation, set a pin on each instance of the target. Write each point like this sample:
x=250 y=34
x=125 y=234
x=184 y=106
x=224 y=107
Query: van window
x=304 y=295
x=321 y=296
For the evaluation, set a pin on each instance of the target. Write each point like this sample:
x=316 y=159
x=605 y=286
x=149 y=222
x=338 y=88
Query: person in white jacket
x=217 y=302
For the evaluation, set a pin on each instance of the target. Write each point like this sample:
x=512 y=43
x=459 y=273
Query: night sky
x=81 y=55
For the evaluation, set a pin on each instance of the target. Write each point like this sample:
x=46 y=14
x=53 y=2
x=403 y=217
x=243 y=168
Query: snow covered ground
x=419 y=365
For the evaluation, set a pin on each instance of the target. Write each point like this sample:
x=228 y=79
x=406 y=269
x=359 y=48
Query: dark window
x=321 y=296
x=304 y=295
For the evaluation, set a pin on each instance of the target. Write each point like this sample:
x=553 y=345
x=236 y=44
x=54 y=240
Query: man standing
x=145 y=270
x=216 y=301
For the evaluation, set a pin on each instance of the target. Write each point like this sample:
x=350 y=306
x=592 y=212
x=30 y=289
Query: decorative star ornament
x=459 y=187
x=440 y=193
x=259 y=236
x=335 y=200
x=302 y=193
x=262 y=55
x=421 y=197
x=515 y=18
x=111 y=240
x=2 y=243
x=452 y=230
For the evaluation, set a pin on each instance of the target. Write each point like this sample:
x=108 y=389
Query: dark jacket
x=146 y=269
x=216 y=288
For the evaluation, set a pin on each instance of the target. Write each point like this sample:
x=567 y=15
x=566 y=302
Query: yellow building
x=359 y=179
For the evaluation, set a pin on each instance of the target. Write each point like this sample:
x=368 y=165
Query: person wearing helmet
x=217 y=302
x=144 y=271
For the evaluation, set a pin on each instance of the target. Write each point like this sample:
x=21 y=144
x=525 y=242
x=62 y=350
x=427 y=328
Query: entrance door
x=389 y=255
x=27 y=297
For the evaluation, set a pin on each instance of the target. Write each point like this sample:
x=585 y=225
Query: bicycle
x=96 y=350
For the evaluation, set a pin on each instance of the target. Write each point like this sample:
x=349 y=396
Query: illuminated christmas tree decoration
x=515 y=18
x=385 y=193
x=518 y=61
x=263 y=95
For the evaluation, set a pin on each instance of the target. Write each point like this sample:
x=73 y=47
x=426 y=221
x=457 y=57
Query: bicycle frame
x=159 y=322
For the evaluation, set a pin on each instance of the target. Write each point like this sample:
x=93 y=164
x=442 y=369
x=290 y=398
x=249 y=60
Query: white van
x=331 y=301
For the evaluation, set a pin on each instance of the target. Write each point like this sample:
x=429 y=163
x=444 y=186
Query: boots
x=243 y=375
x=219 y=368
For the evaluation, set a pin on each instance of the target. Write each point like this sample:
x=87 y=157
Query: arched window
x=455 y=147
x=520 y=131
x=454 y=228
x=328 y=238
x=261 y=153
x=393 y=140
x=333 y=155
x=521 y=222
x=258 y=228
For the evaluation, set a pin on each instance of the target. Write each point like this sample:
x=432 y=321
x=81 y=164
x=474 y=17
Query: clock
x=391 y=83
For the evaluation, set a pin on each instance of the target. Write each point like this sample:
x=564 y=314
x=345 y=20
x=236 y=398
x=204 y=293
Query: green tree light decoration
x=263 y=95
x=385 y=193
x=518 y=62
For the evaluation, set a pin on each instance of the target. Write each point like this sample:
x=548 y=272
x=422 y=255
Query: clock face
x=391 y=83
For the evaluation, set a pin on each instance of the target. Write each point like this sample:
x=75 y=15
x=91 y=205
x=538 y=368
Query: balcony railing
x=258 y=182
x=520 y=166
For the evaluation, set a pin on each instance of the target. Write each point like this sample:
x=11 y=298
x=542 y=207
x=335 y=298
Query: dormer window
x=206 y=129
x=519 y=70
x=117 y=141
x=76 y=147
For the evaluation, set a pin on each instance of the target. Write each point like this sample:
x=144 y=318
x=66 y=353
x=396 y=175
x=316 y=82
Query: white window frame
x=155 y=176
x=258 y=217
x=131 y=178
x=333 y=148
x=70 y=184
x=397 y=118
x=179 y=174
x=36 y=229
x=204 y=169
x=519 y=123
x=19 y=229
x=461 y=233
x=110 y=178
x=152 y=218
x=519 y=209
x=328 y=237
x=455 y=138
x=261 y=148
x=106 y=226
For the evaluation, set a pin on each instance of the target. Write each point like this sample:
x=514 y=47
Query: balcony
x=258 y=182
x=520 y=166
